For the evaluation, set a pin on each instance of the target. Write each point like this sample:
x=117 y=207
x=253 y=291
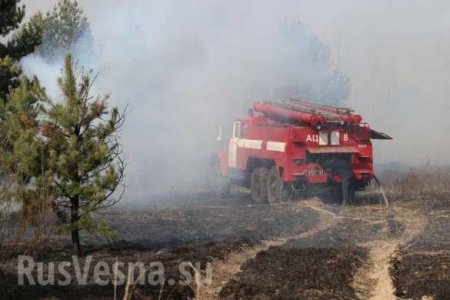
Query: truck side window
x=237 y=130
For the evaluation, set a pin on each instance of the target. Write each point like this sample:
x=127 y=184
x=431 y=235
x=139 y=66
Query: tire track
x=226 y=269
x=373 y=280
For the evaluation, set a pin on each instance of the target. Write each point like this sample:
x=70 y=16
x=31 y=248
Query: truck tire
x=277 y=191
x=219 y=184
x=258 y=184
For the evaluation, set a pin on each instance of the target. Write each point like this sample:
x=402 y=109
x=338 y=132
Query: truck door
x=232 y=147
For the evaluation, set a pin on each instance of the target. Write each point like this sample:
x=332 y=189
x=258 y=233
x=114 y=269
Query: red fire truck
x=285 y=150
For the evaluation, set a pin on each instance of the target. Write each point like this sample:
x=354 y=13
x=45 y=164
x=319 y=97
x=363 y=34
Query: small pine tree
x=85 y=156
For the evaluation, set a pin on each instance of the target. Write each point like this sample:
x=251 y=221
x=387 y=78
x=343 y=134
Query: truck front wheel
x=277 y=191
x=258 y=184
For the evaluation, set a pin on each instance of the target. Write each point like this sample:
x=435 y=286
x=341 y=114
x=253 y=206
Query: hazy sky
x=396 y=53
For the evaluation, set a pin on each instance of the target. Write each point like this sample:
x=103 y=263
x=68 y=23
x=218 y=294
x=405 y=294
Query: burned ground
x=197 y=232
x=209 y=221
x=422 y=266
x=297 y=273
x=320 y=266
x=309 y=249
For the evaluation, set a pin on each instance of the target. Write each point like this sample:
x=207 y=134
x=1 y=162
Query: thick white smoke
x=184 y=66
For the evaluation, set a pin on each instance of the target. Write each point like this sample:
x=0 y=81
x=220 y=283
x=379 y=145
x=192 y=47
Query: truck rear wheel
x=277 y=191
x=219 y=184
x=258 y=184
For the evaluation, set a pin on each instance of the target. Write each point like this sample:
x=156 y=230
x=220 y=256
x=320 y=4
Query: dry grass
x=26 y=231
x=408 y=185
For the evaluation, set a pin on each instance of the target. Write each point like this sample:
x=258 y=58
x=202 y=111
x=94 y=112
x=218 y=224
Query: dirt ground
x=310 y=249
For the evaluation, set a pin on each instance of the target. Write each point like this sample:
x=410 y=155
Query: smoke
x=186 y=66
x=48 y=71
x=183 y=69
x=396 y=54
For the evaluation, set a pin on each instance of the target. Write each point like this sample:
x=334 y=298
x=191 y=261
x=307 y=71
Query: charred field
x=309 y=249
x=421 y=267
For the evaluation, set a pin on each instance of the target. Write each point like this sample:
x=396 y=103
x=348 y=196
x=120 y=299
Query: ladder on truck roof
x=331 y=113
x=307 y=112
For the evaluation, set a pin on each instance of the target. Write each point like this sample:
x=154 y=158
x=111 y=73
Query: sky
x=395 y=53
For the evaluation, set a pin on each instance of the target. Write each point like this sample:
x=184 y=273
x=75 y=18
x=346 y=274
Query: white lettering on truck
x=312 y=138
